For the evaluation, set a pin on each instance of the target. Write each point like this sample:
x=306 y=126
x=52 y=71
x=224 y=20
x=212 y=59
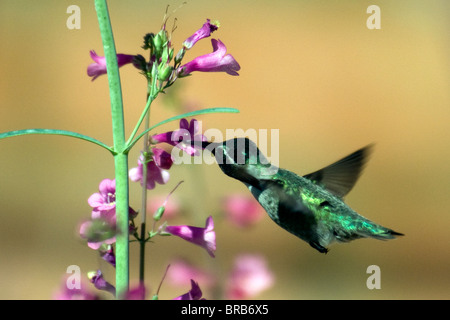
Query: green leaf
x=55 y=132
x=181 y=116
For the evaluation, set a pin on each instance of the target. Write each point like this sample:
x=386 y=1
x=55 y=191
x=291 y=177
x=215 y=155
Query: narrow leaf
x=55 y=132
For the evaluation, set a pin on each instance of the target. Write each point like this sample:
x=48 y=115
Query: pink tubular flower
x=136 y=293
x=98 y=67
x=203 y=237
x=194 y=294
x=181 y=138
x=242 y=211
x=204 y=32
x=217 y=61
x=181 y=272
x=156 y=169
x=104 y=202
x=249 y=277
x=71 y=291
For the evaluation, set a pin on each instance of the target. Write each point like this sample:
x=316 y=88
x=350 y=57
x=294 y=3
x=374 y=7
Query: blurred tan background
x=309 y=68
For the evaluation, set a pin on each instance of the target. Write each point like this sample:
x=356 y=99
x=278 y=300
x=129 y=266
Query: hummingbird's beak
x=211 y=146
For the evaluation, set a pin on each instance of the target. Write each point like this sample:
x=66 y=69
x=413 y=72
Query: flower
x=72 y=292
x=96 y=278
x=216 y=61
x=104 y=202
x=108 y=255
x=98 y=67
x=194 y=294
x=204 y=32
x=203 y=237
x=156 y=169
x=242 y=211
x=183 y=137
x=101 y=231
x=98 y=232
x=249 y=277
x=181 y=272
x=136 y=293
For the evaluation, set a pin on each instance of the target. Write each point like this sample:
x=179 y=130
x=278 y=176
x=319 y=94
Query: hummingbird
x=311 y=206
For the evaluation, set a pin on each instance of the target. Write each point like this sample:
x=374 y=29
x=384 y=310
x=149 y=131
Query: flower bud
x=164 y=72
x=180 y=55
x=159 y=213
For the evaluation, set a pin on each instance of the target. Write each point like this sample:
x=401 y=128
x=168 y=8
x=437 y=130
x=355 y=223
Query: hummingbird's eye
x=238 y=151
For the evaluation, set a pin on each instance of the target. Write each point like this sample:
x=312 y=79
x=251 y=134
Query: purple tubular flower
x=203 y=237
x=194 y=294
x=182 y=137
x=204 y=32
x=98 y=67
x=100 y=283
x=156 y=169
x=108 y=255
x=217 y=61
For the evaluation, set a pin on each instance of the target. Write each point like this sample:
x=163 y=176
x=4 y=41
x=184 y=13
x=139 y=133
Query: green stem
x=143 y=115
x=121 y=156
x=143 y=208
x=153 y=92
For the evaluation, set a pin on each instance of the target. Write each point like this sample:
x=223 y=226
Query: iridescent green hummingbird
x=310 y=207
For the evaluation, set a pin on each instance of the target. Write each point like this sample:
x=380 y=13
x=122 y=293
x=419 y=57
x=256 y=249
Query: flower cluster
x=162 y=54
x=248 y=277
x=159 y=161
x=100 y=230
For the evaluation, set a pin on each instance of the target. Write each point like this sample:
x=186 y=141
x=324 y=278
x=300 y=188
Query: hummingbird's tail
x=376 y=231
x=365 y=228
x=386 y=234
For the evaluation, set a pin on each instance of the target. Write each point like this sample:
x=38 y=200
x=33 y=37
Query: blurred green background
x=309 y=68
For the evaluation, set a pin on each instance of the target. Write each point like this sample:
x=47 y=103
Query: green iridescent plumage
x=310 y=207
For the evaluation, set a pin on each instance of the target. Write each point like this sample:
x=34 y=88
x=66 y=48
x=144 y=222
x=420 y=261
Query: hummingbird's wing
x=340 y=177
